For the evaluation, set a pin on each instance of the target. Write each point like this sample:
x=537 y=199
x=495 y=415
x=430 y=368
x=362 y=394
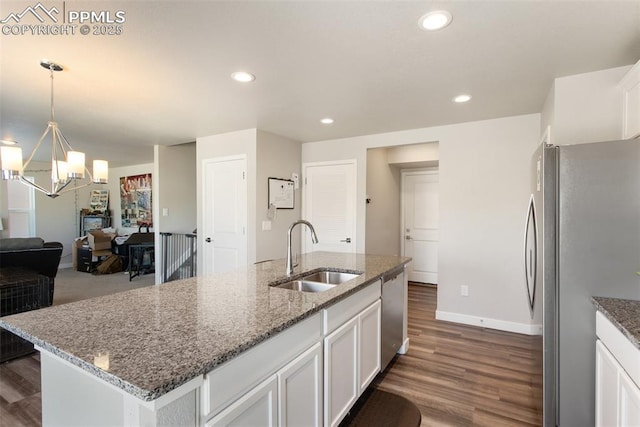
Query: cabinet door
x=340 y=372
x=369 y=345
x=300 y=390
x=256 y=408
x=606 y=387
x=629 y=401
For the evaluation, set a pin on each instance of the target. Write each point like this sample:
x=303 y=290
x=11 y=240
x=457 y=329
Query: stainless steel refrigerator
x=582 y=239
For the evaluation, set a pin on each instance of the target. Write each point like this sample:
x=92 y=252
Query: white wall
x=223 y=145
x=585 y=107
x=484 y=191
x=484 y=178
x=383 y=212
x=278 y=157
x=176 y=178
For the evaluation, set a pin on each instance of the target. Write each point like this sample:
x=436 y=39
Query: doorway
x=419 y=204
x=224 y=196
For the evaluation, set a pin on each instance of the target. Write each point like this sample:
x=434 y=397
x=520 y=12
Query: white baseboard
x=404 y=348
x=65 y=265
x=501 y=325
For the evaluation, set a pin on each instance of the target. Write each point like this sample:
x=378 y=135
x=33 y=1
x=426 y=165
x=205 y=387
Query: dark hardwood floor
x=457 y=375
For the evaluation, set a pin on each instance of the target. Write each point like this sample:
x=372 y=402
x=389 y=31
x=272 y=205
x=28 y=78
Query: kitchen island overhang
x=148 y=342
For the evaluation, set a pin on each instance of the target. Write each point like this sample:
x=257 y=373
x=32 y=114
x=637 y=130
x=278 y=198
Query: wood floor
x=457 y=375
x=461 y=375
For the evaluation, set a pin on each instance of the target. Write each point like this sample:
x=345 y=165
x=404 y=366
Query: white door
x=330 y=205
x=420 y=220
x=225 y=214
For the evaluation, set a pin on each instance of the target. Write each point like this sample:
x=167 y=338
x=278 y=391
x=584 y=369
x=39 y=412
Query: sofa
x=28 y=267
x=33 y=254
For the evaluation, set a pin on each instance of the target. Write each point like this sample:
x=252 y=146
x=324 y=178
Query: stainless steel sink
x=319 y=281
x=331 y=277
x=305 y=286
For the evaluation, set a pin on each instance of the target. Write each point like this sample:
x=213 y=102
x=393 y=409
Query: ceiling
x=367 y=64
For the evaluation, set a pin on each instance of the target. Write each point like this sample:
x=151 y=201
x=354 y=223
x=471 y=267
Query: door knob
x=347 y=240
x=208 y=240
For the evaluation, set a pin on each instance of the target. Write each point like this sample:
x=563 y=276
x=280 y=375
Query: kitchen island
x=187 y=351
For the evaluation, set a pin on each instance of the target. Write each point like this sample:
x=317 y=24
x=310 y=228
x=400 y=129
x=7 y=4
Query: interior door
x=225 y=214
x=420 y=219
x=330 y=205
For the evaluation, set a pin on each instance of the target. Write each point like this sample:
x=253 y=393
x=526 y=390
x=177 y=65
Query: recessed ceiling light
x=243 y=76
x=435 y=20
x=327 y=121
x=462 y=98
x=8 y=142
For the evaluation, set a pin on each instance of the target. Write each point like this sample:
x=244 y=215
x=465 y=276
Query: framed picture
x=281 y=193
x=135 y=200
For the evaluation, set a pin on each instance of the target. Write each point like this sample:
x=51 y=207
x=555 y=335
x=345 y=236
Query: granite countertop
x=624 y=314
x=151 y=340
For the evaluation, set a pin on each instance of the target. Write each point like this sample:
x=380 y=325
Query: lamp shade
x=59 y=171
x=11 y=160
x=75 y=161
x=100 y=171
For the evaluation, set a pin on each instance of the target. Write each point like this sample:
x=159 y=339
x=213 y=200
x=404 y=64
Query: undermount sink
x=319 y=281
x=331 y=277
x=305 y=286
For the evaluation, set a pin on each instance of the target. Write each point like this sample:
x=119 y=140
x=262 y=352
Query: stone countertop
x=151 y=340
x=624 y=314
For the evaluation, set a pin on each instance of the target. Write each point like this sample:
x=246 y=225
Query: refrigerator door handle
x=531 y=254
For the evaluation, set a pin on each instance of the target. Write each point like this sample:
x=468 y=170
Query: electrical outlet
x=464 y=290
x=266 y=225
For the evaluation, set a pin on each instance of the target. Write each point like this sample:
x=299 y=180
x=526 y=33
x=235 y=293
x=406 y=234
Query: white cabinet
x=290 y=397
x=351 y=362
x=308 y=375
x=606 y=387
x=300 y=390
x=369 y=336
x=617 y=363
x=340 y=371
x=629 y=401
x=256 y=408
x=630 y=85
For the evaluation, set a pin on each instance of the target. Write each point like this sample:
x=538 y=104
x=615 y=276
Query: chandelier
x=67 y=165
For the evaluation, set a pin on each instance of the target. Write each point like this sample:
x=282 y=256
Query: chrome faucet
x=314 y=239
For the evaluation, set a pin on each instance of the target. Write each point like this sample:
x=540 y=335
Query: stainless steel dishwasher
x=392 y=314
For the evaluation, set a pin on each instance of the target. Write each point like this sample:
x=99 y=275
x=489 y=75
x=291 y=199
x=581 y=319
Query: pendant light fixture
x=67 y=164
